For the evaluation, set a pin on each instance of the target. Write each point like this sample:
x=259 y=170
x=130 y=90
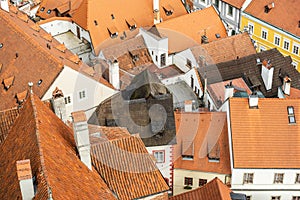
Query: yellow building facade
x=267 y=36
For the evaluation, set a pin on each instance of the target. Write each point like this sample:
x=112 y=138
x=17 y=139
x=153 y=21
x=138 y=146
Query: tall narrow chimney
x=25 y=179
x=267 y=71
x=253 y=100
x=4 y=5
x=114 y=77
x=59 y=105
x=229 y=89
x=156 y=11
x=82 y=139
x=286 y=87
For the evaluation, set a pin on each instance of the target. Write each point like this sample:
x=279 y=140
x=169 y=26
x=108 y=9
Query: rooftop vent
x=48 y=11
x=1 y=45
x=112 y=16
x=204 y=39
x=95 y=22
x=42 y=9
x=269 y=7
x=218 y=35
x=253 y=100
x=39 y=82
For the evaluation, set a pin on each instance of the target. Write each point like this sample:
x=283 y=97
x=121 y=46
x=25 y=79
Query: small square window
x=188 y=63
x=275 y=198
x=68 y=100
x=248 y=178
x=278 y=178
x=159 y=156
x=202 y=182
x=188 y=181
x=230 y=11
x=297 y=178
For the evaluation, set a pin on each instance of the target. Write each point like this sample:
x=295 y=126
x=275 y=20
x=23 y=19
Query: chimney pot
x=114 y=77
x=286 y=87
x=253 y=100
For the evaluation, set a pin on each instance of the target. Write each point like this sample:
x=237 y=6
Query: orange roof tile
x=21 y=96
x=130 y=173
x=191 y=27
x=214 y=190
x=61 y=47
x=225 y=49
x=294 y=93
x=7 y=118
x=263 y=137
x=8 y=82
x=41 y=137
x=115 y=14
x=236 y=3
x=24 y=169
x=285 y=15
x=205 y=131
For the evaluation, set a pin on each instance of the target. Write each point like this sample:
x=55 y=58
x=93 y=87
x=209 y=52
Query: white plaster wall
x=71 y=82
x=180 y=60
x=165 y=167
x=197 y=84
x=180 y=174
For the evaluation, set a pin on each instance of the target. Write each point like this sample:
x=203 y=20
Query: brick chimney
x=156 y=11
x=114 y=77
x=58 y=104
x=286 y=86
x=25 y=179
x=267 y=71
x=188 y=106
x=253 y=100
x=229 y=89
x=82 y=138
x=4 y=5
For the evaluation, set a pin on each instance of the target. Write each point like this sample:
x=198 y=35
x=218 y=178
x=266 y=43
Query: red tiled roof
x=213 y=190
x=130 y=173
x=41 y=137
x=263 y=137
x=235 y=3
x=7 y=118
x=285 y=15
x=204 y=131
x=294 y=93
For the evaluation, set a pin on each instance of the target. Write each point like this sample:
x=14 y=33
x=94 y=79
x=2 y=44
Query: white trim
x=203 y=3
x=251 y=24
x=233 y=12
x=262 y=48
x=295 y=64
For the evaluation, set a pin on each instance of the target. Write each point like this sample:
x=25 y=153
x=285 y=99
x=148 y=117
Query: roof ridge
x=42 y=160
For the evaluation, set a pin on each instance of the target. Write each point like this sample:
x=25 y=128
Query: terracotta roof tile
x=130 y=173
x=41 y=137
x=61 y=47
x=186 y=31
x=205 y=131
x=140 y=11
x=8 y=82
x=214 y=190
x=225 y=49
x=285 y=15
x=263 y=137
x=7 y=118
x=21 y=96
x=236 y=3
x=24 y=169
x=294 y=93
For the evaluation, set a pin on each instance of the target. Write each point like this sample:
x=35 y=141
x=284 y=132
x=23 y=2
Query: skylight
x=291 y=115
x=1 y=45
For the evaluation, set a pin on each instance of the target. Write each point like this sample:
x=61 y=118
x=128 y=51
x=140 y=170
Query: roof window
x=131 y=24
x=1 y=45
x=48 y=11
x=113 y=32
x=21 y=96
x=42 y=9
x=291 y=115
x=40 y=82
x=218 y=35
x=168 y=10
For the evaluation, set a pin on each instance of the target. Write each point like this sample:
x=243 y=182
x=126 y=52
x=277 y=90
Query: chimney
x=114 y=77
x=188 y=106
x=156 y=11
x=25 y=179
x=286 y=87
x=59 y=105
x=269 y=7
x=82 y=138
x=4 y=5
x=204 y=39
x=267 y=73
x=253 y=100
x=228 y=91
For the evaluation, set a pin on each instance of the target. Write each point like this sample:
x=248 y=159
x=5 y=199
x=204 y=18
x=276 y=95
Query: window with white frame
x=202 y=1
x=264 y=34
x=286 y=44
x=68 y=100
x=295 y=49
x=291 y=115
x=82 y=94
x=159 y=156
x=275 y=198
x=216 y=3
x=296 y=197
x=277 y=40
x=248 y=178
x=297 y=178
x=295 y=64
x=251 y=28
x=229 y=10
x=262 y=48
x=278 y=178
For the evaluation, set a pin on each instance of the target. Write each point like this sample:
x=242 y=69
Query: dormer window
x=8 y=82
x=42 y=9
x=291 y=115
x=131 y=24
x=113 y=32
x=168 y=10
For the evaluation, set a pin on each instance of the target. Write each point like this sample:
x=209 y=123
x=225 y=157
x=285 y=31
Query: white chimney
x=286 y=87
x=229 y=89
x=253 y=101
x=156 y=11
x=4 y=5
x=25 y=179
x=267 y=74
x=188 y=106
x=82 y=138
x=114 y=77
x=59 y=104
